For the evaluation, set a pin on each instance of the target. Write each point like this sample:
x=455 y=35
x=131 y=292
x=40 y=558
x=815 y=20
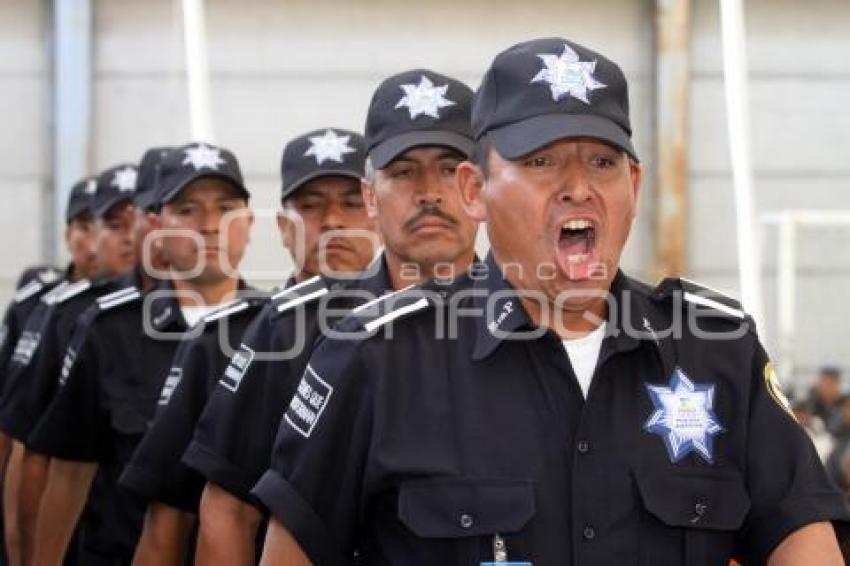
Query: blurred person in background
x=825 y=396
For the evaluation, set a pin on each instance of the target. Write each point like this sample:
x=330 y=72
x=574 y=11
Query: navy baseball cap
x=145 y=196
x=115 y=185
x=543 y=90
x=80 y=198
x=194 y=161
x=321 y=153
x=415 y=108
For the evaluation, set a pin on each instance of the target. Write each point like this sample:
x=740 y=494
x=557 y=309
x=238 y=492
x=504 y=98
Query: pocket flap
x=712 y=499
x=460 y=507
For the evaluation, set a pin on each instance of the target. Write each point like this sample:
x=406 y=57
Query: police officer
x=579 y=417
x=30 y=389
x=321 y=196
x=23 y=322
x=121 y=353
x=417 y=131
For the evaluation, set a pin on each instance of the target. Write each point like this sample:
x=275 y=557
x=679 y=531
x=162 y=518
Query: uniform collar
x=164 y=308
x=633 y=318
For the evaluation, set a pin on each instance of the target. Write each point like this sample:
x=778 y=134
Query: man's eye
x=449 y=169
x=602 y=162
x=401 y=173
x=538 y=161
x=353 y=202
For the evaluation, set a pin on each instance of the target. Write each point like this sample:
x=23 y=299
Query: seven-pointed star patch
x=424 y=98
x=684 y=417
x=124 y=179
x=329 y=146
x=566 y=75
x=202 y=156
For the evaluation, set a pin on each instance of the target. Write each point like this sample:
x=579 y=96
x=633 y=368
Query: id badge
x=500 y=552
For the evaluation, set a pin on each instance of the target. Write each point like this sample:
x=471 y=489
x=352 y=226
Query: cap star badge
x=684 y=417
x=566 y=75
x=329 y=147
x=91 y=187
x=124 y=179
x=424 y=98
x=202 y=156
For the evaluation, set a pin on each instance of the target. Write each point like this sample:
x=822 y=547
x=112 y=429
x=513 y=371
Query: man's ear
x=370 y=199
x=636 y=176
x=470 y=180
x=286 y=226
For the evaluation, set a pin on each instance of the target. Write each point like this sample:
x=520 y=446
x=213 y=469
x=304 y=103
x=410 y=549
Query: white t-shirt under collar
x=584 y=353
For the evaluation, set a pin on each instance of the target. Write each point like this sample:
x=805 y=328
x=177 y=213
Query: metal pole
x=737 y=116
x=71 y=101
x=672 y=22
x=197 y=71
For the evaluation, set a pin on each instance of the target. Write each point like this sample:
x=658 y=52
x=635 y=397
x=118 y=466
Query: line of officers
x=156 y=409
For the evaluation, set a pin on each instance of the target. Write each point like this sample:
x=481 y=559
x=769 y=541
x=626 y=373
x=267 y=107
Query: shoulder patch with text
x=309 y=402
x=235 y=371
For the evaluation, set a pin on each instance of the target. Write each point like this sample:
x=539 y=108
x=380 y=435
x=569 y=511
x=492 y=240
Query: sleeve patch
x=308 y=403
x=26 y=347
x=175 y=375
x=235 y=371
x=67 y=364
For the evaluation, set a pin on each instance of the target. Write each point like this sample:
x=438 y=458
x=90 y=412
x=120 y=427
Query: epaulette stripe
x=49 y=276
x=74 y=290
x=115 y=294
x=50 y=296
x=28 y=291
x=303 y=299
x=104 y=305
x=711 y=290
x=418 y=305
x=301 y=285
x=227 y=311
x=371 y=303
x=700 y=300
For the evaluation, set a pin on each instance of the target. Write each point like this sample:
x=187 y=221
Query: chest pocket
x=695 y=512
x=465 y=513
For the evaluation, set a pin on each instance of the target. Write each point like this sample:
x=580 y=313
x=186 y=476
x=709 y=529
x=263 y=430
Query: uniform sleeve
x=75 y=425
x=316 y=480
x=787 y=483
x=155 y=471
x=30 y=388
x=8 y=336
x=231 y=445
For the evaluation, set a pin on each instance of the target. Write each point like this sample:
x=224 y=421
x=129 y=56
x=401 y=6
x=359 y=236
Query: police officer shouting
x=121 y=352
x=579 y=416
x=417 y=131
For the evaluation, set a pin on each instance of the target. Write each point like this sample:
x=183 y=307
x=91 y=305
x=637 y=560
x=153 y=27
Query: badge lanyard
x=500 y=554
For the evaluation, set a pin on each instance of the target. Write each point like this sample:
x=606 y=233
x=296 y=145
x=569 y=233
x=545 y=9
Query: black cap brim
x=105 y=207
x=172 y=194
x=521 y=138
x=391 y=148
x=76 y=209
x=290 y=189
x=145 y=200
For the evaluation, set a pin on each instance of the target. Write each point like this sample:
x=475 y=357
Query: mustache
x=430 y=210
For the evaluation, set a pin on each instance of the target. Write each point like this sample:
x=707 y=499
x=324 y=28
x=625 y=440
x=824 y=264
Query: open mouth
x=576 y=247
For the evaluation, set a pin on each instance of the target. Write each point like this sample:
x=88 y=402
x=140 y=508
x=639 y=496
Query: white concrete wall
x=281 y=67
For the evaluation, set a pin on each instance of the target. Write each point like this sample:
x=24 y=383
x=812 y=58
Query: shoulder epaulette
x=50 y=296
x=299 y=294
x=73 y=290
x=50 y=275
x=29 y=290
x=235 y=307
x=700 y=295
x=389 y=307
x=120 y=297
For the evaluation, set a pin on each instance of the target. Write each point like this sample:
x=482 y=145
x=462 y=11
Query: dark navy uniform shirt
x=30 y=388
x=421 y=450
x=117 y=362
x=32 y=285
x=155 y=471
x=234 y=437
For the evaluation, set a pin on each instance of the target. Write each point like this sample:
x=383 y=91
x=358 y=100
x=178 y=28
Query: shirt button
x=583 y=447
x=589 y=533
x=466 y=521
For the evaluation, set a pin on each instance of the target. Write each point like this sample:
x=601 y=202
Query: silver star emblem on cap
x=566 y=75
x=329 y=146
x=202 y=156
x=424 y=98
x=125 y=179
x=91 y=187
